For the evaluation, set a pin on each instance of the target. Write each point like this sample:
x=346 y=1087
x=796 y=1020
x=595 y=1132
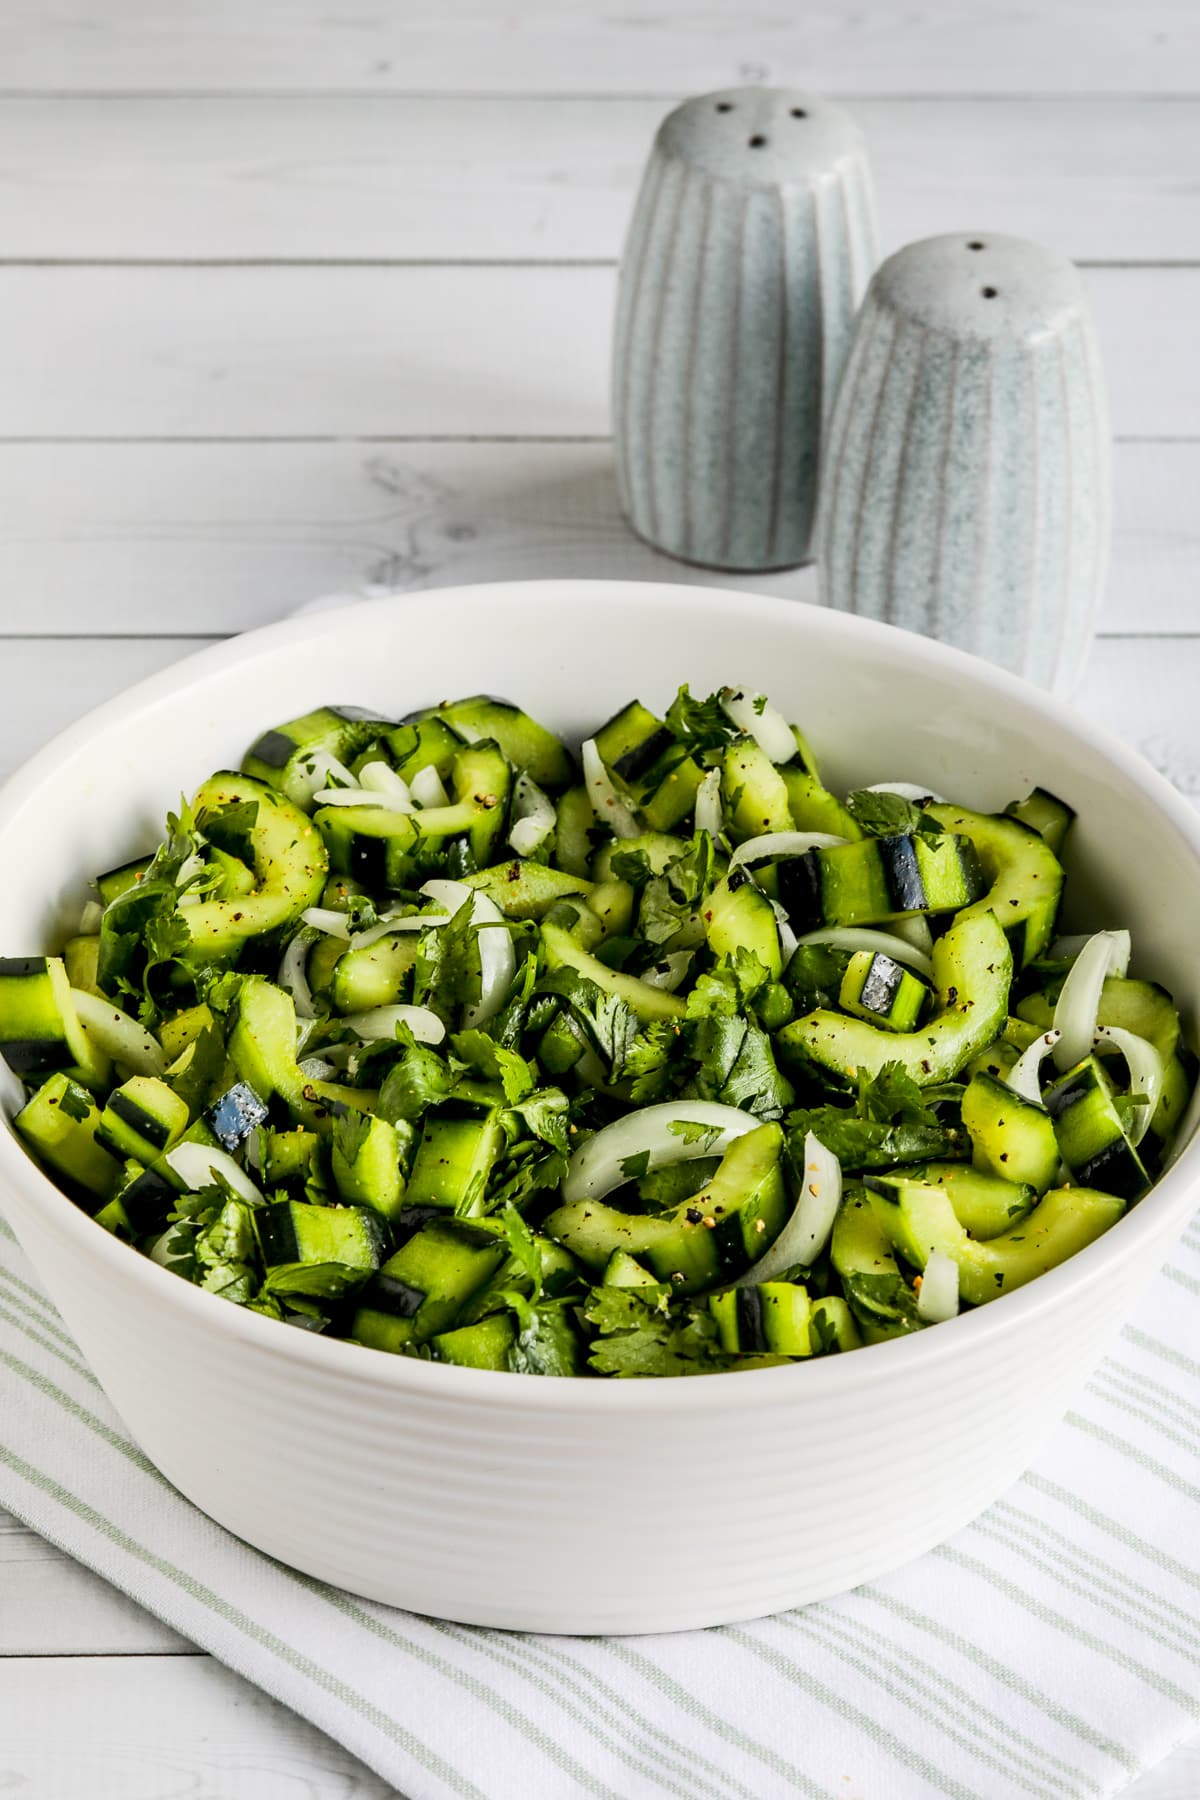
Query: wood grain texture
x=52 y=1606
x=413 y=179
x=345 y=351
x=161 y=1728
x=221 y=537
x=664 y=46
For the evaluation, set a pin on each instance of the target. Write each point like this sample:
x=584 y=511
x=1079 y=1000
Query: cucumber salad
x=659 y=1060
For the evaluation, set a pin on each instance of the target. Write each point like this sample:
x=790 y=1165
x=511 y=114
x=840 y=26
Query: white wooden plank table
x=302 y=297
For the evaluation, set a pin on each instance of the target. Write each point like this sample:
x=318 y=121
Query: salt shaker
x=751 y=245
x=965 y=487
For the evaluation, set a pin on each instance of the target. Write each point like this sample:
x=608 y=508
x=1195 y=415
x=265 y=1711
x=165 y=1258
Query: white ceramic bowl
x=591 y=1506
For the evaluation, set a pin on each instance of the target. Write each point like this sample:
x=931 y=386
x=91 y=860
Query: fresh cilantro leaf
x=693 y=1131
x=322 y=1281
x=702 y=726
x=418 y=1080
x=882 y=1300
x=446 y=970
x=653 y=1065
x=642 y=1332
x=634 y=1167
x=813 y=976
x=663 y=1189
x=478 y=1051
x=867 y=1143
x=75 y=1103
x=893 y=1096
x=669 y=901
x=610 y=1025
x=545 y=1113
x=888 y=815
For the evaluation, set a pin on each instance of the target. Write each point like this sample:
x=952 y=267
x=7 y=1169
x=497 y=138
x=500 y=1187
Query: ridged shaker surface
x=965 y=487
x=751 y=244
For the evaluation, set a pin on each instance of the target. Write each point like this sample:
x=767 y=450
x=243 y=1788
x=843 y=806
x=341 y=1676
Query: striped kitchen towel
x=1052 y=1648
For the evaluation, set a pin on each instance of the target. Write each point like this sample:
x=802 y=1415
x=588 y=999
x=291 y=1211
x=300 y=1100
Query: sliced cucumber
x=1024 y=874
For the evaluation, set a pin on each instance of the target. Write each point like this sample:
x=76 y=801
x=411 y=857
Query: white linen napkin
x=1051 y=1649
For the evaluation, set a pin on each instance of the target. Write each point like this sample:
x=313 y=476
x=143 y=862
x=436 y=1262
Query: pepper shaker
x=751 y=245
x=965 y=488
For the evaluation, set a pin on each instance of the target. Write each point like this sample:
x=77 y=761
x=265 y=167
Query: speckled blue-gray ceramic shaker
x=750 y=248
x=965 y=487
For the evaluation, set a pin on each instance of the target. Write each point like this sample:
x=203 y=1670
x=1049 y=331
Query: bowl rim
x=1152 y=1218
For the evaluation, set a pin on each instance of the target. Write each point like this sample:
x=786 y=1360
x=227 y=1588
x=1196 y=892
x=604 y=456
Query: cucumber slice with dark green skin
x=145 y=1198
x=648 y=1003
x=657 y=849
x=1149 y=1011
x=289 y=1157
x=881 y=1301
x=1024 y=875
x=883 y=992
x=877 y=879
x=525 y=743
x=814 y=808
x=454 y=1159
x=1092 y=1140
x=753 y=792
x=1010 y=1136
x=142 y=1119
x=648 y=761
x=39 y=1030
x=281 y=757
x=1049 y=816
x=984 y=1204
x=365 y=1159
x=765 y=1316
x=300 y=1239
x=739 y=916
x=289 y=860
x=527 y=890
x=59 y=1125
x=714 y=1236
x=488 y=1344
x=423 y=1287
x=972 y=968
x=183 y=1028
x=381 y=848
x=1064 y=1221
x=423 y=741
x=480 y=777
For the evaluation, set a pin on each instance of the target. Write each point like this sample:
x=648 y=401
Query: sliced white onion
x=393 y=922
x=754 y=714
x=1107 y=953
x=325 y=919
x=606 y=803
x=595 y=1170
x=316 y=769
x=806 y=1233
x=316 y=1068
x=788 y=940
x=381 y=1022
x=533 y=816
x=937 y=1300
x=352 y=796
x=497 y=961
x=293 y=974
x=710 y=815
x=915 y=931
x=669 y=971
x=1024 y=1077
x=197 y=1164
x=879 y=943
x=427 y=788
x=380 y=778
x=907 y=790
x=782 y=843
x=118 y=1035
x=1145 y=1072
x=90 y=917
